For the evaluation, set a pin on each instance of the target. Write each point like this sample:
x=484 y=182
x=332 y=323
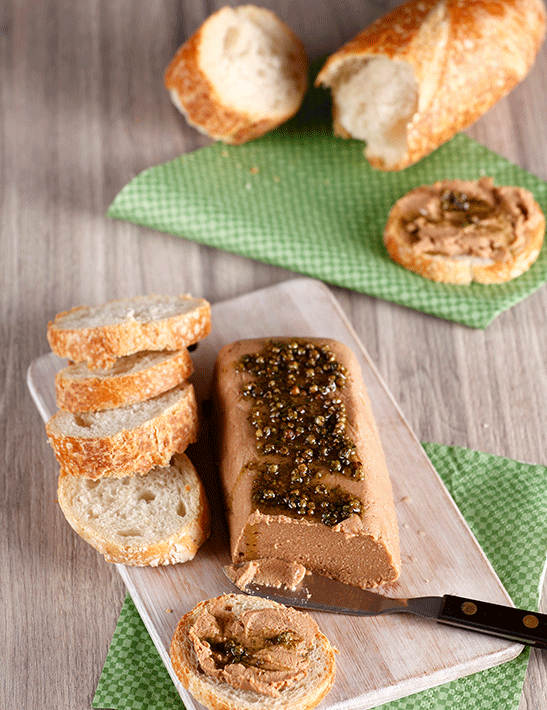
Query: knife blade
x=321 y=593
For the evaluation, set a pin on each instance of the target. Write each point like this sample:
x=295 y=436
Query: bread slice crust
x=461 y=269
x=465 y=56
x=114 y=516
x=304 y=695
x=132 y=379
x=125 y=449
x=80 y=335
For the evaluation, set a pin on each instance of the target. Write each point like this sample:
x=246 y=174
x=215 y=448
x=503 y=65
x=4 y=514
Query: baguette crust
x=100 y=344
x=465 y=269
x=79 y=389
x=361 y=549
x=196 y=96
x=126 y=449
x=304 y=695
x=465 y=56
x=181 y=496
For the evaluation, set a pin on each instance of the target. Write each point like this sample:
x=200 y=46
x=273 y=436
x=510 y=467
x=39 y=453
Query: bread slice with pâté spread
x=238 y=652
x=460 y=231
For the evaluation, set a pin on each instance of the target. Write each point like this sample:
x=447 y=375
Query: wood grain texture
x=83 y=110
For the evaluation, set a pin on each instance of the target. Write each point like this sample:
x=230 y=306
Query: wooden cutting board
x=380 y=659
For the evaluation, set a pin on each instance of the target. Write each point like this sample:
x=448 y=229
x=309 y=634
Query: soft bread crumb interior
x=135 y=510
x=375 y=100
x=251 y=61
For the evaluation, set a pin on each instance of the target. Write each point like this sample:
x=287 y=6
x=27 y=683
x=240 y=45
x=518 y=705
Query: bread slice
x=460 y=231
x=217 y=694
x=128 y=440
x=158 y=519
x=100 y=334
x=132 y=379
x=428 y=69
x=241 y=74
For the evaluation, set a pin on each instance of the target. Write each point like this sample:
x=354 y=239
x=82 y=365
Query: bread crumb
x=169 y=611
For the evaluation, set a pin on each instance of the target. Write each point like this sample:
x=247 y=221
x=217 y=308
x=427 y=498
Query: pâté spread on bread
x=261 y=649
x=302 y=466
x=458 y=231
x=238 y=652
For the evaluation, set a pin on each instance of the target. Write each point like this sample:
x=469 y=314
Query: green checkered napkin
x=504 y=502
x=308 y=201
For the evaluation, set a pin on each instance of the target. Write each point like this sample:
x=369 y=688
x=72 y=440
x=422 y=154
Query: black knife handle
x=513 y=624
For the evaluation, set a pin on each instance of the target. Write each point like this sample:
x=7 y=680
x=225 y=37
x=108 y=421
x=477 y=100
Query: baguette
x=428 y=69
x=125 y=441
x=243 y=73
x=301 y=462
x=232 y=686
x=458 y=231
x=132 y=379
x=99 y=335
x=158 y=519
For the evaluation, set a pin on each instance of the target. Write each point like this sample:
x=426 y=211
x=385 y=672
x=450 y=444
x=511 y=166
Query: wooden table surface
x=83 y=110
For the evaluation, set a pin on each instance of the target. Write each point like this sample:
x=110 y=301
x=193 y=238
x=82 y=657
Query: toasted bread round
x=243 y=73
x=158 y=519
x=99 y=335
x=458 y=232
x=429 y=68
x=125 y=441
x=217 y=694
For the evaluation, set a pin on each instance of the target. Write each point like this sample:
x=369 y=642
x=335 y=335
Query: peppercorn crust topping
x=300 y=428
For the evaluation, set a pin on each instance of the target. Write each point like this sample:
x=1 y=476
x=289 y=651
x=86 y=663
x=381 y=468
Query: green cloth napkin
x=305 y=200
x=504 y=502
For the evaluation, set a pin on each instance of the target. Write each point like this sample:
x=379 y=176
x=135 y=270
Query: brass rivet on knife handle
x=469 y=608
x=530 y=621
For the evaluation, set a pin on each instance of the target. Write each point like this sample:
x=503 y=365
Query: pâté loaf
x=301 y=462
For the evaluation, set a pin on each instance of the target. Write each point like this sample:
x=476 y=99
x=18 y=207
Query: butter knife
x=325 y=594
